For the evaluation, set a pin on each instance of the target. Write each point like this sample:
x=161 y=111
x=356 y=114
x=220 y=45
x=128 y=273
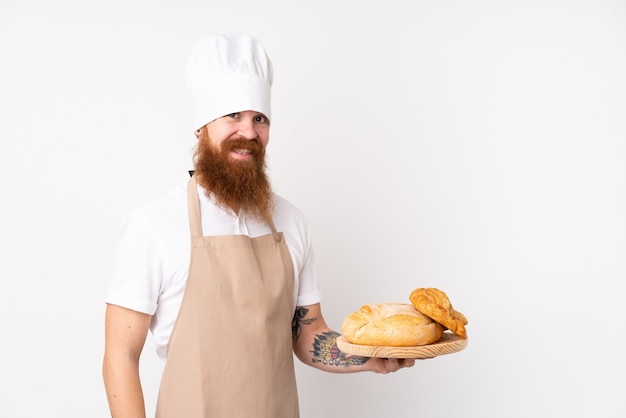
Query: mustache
x=252 y=145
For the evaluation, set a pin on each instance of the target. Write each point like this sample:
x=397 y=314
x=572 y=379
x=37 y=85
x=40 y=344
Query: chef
x=221 y=269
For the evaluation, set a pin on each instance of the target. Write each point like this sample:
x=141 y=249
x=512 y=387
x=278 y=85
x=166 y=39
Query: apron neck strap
x=193 y=206
x=277 y=236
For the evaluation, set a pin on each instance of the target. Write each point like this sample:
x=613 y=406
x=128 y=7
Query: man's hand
x=389 y=365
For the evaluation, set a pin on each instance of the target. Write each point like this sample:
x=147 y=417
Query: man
x=221 y=269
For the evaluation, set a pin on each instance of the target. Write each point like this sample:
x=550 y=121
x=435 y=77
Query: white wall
x=478 y=147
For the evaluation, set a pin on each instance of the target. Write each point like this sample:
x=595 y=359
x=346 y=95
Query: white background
x=474 y=146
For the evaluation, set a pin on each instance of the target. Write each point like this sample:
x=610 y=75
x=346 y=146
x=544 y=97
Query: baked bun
x=435 y=304
x=390 y=324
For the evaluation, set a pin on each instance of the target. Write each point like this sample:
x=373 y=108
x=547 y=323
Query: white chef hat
x=228 y=73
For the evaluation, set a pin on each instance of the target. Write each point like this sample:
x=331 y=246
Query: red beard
x=238 y=185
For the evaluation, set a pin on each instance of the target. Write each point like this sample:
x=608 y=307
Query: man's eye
x=233 y=115
x=260 y=119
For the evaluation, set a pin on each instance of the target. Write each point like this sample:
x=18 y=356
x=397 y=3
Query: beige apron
x=230 y=352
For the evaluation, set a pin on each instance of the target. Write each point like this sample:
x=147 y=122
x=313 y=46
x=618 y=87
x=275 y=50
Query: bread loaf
x=390 y=324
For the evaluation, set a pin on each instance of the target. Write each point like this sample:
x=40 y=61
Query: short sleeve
x=137 y=275
x=309 y=292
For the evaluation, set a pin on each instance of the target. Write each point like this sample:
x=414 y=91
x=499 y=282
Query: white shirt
x=153 y=253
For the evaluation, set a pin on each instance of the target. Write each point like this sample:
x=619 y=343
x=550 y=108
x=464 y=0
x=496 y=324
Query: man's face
x=230 y=162
x=247 y=125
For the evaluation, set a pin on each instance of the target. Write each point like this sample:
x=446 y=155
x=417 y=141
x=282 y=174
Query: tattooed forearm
x=325 y=351
x=298 y=320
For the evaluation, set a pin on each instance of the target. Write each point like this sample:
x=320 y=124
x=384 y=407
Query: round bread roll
x=390 y=324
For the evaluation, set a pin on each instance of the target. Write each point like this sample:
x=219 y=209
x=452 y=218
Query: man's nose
x=246 y=128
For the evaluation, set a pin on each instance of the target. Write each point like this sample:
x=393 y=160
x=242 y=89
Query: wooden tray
x=449 y=343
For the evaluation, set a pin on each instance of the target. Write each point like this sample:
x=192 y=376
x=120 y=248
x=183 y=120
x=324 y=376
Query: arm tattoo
x=298 y=320
x=325 y=351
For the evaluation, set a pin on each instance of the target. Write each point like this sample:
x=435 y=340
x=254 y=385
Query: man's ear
x=197 y=133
